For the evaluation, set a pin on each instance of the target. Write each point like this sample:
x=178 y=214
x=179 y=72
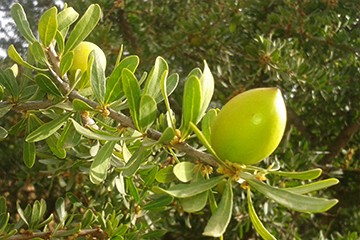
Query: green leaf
x=65 y=62
x=3 y=133
x=310 y=187
x=203 y=140
x=52 y=144
x=132 y=92
x=29 y=154
x=191 y=104
x=47 y=129
x=165 y=175
x=158 y=202
x=219 y=221
x=84 y=27
x=189 y=190
x=8 y=80
x=297 y=202
x=60 y=42
x=305 y=175
x=168 y=86
x=66 y=17
x=15 y=56
x=47 y=85
x=98 y=135
x=147 y=112
x=135 y=161
x=35 y=214
x=114 y=89
x=48 y=25
x=101 y=163
x=130 y=183
x=21 y=213
x=194 y=203
x=4 y=215
x=184 y=171
x=207 y=90
x=167 y=136
x=1 y=92
x=4 y=110
x=206 y=123
x=80 y=105
x=97 y=77
x=19 y=16
x=153 y=81
x=38 y=52
x=69 y=137
x=61 y=209
x=259 y=227
x=87 y=218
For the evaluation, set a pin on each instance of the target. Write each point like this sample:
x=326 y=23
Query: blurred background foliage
x=309 y=49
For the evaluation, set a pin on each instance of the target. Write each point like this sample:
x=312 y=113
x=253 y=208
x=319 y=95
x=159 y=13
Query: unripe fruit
x=250 y=126
x=80 y=61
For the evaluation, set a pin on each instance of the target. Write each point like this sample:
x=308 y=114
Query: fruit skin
x=250 y=126
x=80 y=61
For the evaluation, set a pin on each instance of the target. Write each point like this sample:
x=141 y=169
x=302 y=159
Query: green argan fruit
x=250 y=126
x=80 y=61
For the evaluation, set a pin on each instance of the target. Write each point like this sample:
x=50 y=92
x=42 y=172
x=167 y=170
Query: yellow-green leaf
x=259 y=227
x=48 y=25
x=219 y=221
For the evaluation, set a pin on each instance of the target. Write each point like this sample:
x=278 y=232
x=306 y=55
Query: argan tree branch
x=122 y=119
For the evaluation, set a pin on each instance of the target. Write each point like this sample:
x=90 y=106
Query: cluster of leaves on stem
x=114 y=133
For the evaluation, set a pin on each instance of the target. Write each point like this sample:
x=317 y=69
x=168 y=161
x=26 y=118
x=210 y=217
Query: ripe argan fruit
x=250 y=126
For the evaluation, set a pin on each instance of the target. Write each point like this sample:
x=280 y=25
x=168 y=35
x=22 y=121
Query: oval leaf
x=305 y=175
x=19 y=16
x=194 y=203
x=259 y=227
x=84 y=26
x=92 y=135
x=52 y=144
x=48 y=25
x=167 y=136
x=66 y=17
x=184 y=171
x=47 y=129
x=165 y=175
x=66 y=62
x=189 y=190
x=29 y=154
x=38 y=52
x=306 y=188
x=153 y=81
x=132 y=92
x=15 y=56
x=206 y=123
x=207 y=90
x=219 y=221
x=80 y=105
x=158 y=201
x=97 y=77
x=101 y=163
x=147 y=112
x=297 y=202
x=114 y=89
x=47 y=85
x=191 y=104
